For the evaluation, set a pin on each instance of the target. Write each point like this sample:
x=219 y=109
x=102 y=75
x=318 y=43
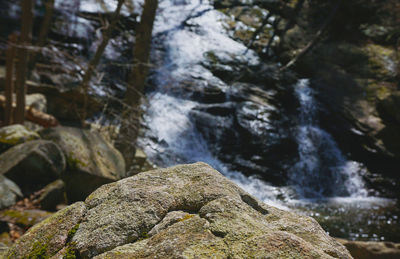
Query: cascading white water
x=177 y=141
x=322 y=170
x=174 y=139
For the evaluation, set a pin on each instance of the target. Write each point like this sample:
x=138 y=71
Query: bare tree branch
x=317 y=36
x=22 y=53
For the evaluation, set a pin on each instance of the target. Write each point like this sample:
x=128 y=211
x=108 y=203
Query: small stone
x=37 y=101
x=52 y=195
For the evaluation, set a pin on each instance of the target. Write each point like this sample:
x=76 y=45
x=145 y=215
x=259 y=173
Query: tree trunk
x=22 y=53
x=97 y=56
x=44 y=31
x=130 y=120
x=9 y=86
x=141 y=53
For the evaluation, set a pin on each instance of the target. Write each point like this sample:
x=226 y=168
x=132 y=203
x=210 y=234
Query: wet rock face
x=186 y=211
x=354 y=70
x=239 y=109
x=249 y=127
x=246 y=135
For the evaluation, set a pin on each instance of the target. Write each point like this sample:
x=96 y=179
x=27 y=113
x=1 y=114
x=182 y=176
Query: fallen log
x=34 y=115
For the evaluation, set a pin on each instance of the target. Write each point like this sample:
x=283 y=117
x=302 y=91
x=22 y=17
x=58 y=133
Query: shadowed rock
x=33 y=164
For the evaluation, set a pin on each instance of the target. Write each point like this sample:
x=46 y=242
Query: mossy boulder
x=49 y=236
x=91 y=160
x=186 y=211
x=15 y=134
x=24 y=218
x=33 y=164
x=9 y=192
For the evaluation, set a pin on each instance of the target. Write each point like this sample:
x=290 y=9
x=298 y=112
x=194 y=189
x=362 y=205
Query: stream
x=182 y=125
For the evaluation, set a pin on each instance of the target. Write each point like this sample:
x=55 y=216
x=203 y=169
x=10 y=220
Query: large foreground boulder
x=91 y=160
x=186 y=211
x=33 y=164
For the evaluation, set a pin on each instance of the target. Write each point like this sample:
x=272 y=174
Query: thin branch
x=258 y=31
x=317 y=36
x=97 y=56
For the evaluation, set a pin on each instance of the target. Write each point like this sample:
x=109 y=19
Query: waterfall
x=172 y=137
x=322 y=170
x=322 y=183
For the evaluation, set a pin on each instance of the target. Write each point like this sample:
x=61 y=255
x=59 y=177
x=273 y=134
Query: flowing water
x=322 y=170
x=322 y=183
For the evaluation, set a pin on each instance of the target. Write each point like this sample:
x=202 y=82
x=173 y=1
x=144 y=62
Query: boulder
x=9 y=192
x=52 y=195
x=33 y=164
x=140 y=163
x=37 y=101
x=91 y=160
x=49 y=236
x=15 y=134
x=66 y=101
x=24 y=218
x=372 y=250
x=186 y=211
